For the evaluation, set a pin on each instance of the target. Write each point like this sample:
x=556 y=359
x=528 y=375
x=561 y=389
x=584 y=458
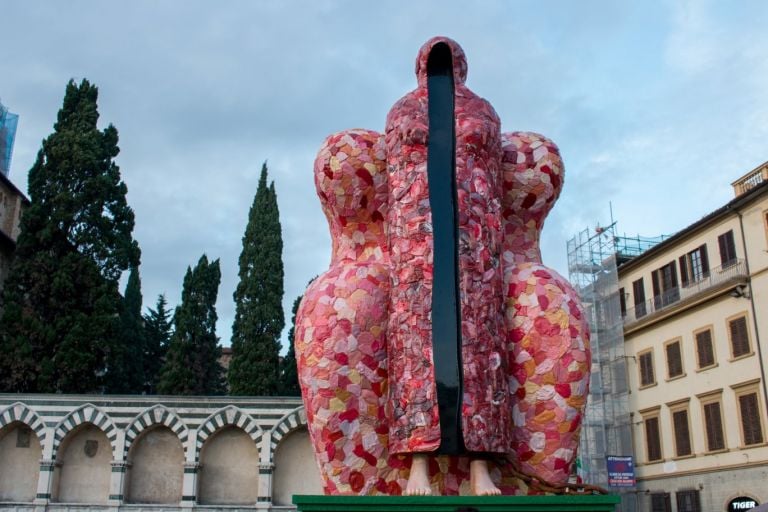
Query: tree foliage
x=259 y=317
x=127 y=359
x=157 y=332
x=289 y=374
x=191 y=364
x=61 y=301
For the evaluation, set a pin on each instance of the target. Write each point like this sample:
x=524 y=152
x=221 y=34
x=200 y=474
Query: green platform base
x=591 y=503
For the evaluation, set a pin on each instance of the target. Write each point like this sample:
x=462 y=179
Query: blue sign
x=621 y=470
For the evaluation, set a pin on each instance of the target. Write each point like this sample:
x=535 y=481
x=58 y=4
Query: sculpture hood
x=459 y=60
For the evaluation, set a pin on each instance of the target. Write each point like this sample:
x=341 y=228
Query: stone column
x=264 y=501
x=189 y=485
x=117 y=482
x=45 y=482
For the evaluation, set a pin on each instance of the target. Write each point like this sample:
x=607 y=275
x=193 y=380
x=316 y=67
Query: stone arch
x=295 y=470
x=18 y=411
x=155 y=416
x=86 y=413
x=288 y=423
x=155 y=467
x=20 y=453
x=228 y=416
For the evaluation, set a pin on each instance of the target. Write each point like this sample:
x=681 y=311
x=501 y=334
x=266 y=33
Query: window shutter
x=727 y=248
x=684 y=270
x=682 y=434
x=652 y=439
x=655 y=283
x=714 y=423
x=704 y=259
x=646 y=369
x=660 y=502
x=739 y=338
x=622 y=302
x=688 y=501
x=704 y=350
x=674 y=360
x=750 y=419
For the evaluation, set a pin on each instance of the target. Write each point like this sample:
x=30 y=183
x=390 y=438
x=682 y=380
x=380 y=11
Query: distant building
x=12 y=202
x=690 y=360
x=225 y=358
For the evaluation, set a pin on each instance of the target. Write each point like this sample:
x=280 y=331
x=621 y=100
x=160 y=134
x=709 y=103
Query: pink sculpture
x=364 y=329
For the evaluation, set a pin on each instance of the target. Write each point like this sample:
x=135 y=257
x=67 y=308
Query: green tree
x=289 y=374
x=126 y=360
x=157 y=332
x=61 y=300
x=191 y=364
x=259 y=319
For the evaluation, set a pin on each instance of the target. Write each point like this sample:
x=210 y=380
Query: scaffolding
x=8 y=123
x=593 y=256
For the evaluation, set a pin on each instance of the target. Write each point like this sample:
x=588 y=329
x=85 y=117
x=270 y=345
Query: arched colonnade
x=229 y=458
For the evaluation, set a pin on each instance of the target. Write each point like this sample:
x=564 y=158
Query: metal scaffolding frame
x=8 y=123
x=593 y=256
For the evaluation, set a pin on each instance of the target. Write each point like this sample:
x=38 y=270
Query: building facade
x=695 y=321
x=75 y=452
x=12 y=202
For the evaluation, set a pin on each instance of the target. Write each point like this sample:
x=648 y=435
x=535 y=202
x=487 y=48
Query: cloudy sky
x=656 y=106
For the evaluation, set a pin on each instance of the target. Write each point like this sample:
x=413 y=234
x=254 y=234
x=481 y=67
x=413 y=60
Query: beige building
x=695 y=310
x=12 y=202
x=69 y=453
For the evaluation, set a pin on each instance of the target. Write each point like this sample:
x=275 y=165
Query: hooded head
x=459 y=60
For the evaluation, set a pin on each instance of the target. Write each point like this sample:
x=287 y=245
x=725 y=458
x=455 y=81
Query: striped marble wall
x=123 y=420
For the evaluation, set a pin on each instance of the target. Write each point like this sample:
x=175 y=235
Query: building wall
x=11 y=201
x=738 y=469
x=175 y=452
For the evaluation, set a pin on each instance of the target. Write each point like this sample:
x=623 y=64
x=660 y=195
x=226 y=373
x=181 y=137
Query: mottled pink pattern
x=365 y=324
x=415 y=425
x=548 y=336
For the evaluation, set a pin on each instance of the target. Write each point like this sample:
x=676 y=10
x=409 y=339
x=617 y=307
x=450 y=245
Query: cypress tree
x=126 y=361
x=191 y=365
x=259 y=320
x=289 y=374
x=157 y=334
x=61 y=300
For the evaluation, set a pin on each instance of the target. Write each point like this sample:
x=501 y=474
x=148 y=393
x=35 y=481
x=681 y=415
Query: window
x=674 y=359
x=748 y=401
x=660 y=502
x=694 y=266
x=688 y=501
x=639 y=292
x=737 y=331
x=645 y=361
x=622 y=302
x=765 y=221
x=681 y=429
x=727 y=249
x=664 y=281
x=705 y=351
x=713 y=421
x=652 y=439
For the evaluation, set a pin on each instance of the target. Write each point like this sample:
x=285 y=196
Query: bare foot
x=418 y=481
x=480 y=479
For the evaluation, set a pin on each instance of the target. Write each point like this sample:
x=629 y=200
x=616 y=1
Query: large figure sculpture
x=437 y=352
